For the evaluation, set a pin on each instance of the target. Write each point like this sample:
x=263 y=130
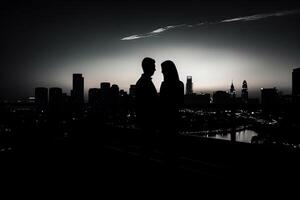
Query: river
x=240 y=136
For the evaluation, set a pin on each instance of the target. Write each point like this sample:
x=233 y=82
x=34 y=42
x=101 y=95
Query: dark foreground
x=114 y=158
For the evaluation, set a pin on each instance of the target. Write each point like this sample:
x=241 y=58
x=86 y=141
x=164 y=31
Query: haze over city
x=214 y=42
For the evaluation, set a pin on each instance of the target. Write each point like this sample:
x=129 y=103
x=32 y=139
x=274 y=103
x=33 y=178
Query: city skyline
x=238 y=89
x=86 y=94
x=43 y=43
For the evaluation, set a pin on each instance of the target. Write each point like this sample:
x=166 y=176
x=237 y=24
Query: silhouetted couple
x=159 y=112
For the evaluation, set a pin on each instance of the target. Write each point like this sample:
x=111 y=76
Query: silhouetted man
x=147 y=103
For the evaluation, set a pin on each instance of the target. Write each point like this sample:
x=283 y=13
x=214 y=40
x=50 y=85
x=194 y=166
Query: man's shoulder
x=181 y=84
x=140 y=81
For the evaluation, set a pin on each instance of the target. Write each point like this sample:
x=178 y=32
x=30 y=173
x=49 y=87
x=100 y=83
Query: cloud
x=238 y=19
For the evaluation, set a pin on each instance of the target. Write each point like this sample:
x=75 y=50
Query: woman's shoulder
x=180 y=83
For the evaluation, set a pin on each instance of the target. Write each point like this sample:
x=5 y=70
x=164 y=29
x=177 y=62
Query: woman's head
x=169 y=71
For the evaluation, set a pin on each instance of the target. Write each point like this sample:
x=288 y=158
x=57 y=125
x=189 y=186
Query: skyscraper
x=105 y=94
x=114 y=94
x=189 y=85
x=296 y=85
x=105 y=90
x=77 y=92
x=244 y=95
x=114 y=99
x=232 y=91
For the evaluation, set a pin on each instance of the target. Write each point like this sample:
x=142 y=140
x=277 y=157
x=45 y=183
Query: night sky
x=44 y=42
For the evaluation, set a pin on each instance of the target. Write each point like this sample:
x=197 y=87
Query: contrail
x=261 y=16
x=238 y=19
x=153 y=33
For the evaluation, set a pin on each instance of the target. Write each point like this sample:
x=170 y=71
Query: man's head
x=148 y=65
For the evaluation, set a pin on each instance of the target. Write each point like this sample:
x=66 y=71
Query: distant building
x=41 y=96
x=94 y=96
x=132 y=90
x=244 y=94
x=123 y=93
x=269 y=96
x=197 y=99
x=77 y=92
x=296 y=85
x=232 y=91
x=285 y=99
x=126 y=101
x=114 y=95
x=31 y=100
x=105 y=89
x=105 y=86
x=55 y=97
x=221 y=97
x=105 y=94
x=66 y=99
x=115 y=90
x=189 y=85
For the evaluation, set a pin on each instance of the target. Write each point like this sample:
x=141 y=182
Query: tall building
x=77 y=92
x=41 y=96
x=296 y=85
x=114 y=98
x=189 y=85
x=105 y=93
x=244 y=95
x=114 y=93
x=232 y=91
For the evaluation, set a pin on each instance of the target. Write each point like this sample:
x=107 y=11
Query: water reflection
x=240 y=136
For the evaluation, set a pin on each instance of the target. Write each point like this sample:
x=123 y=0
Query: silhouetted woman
x=171 y=99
